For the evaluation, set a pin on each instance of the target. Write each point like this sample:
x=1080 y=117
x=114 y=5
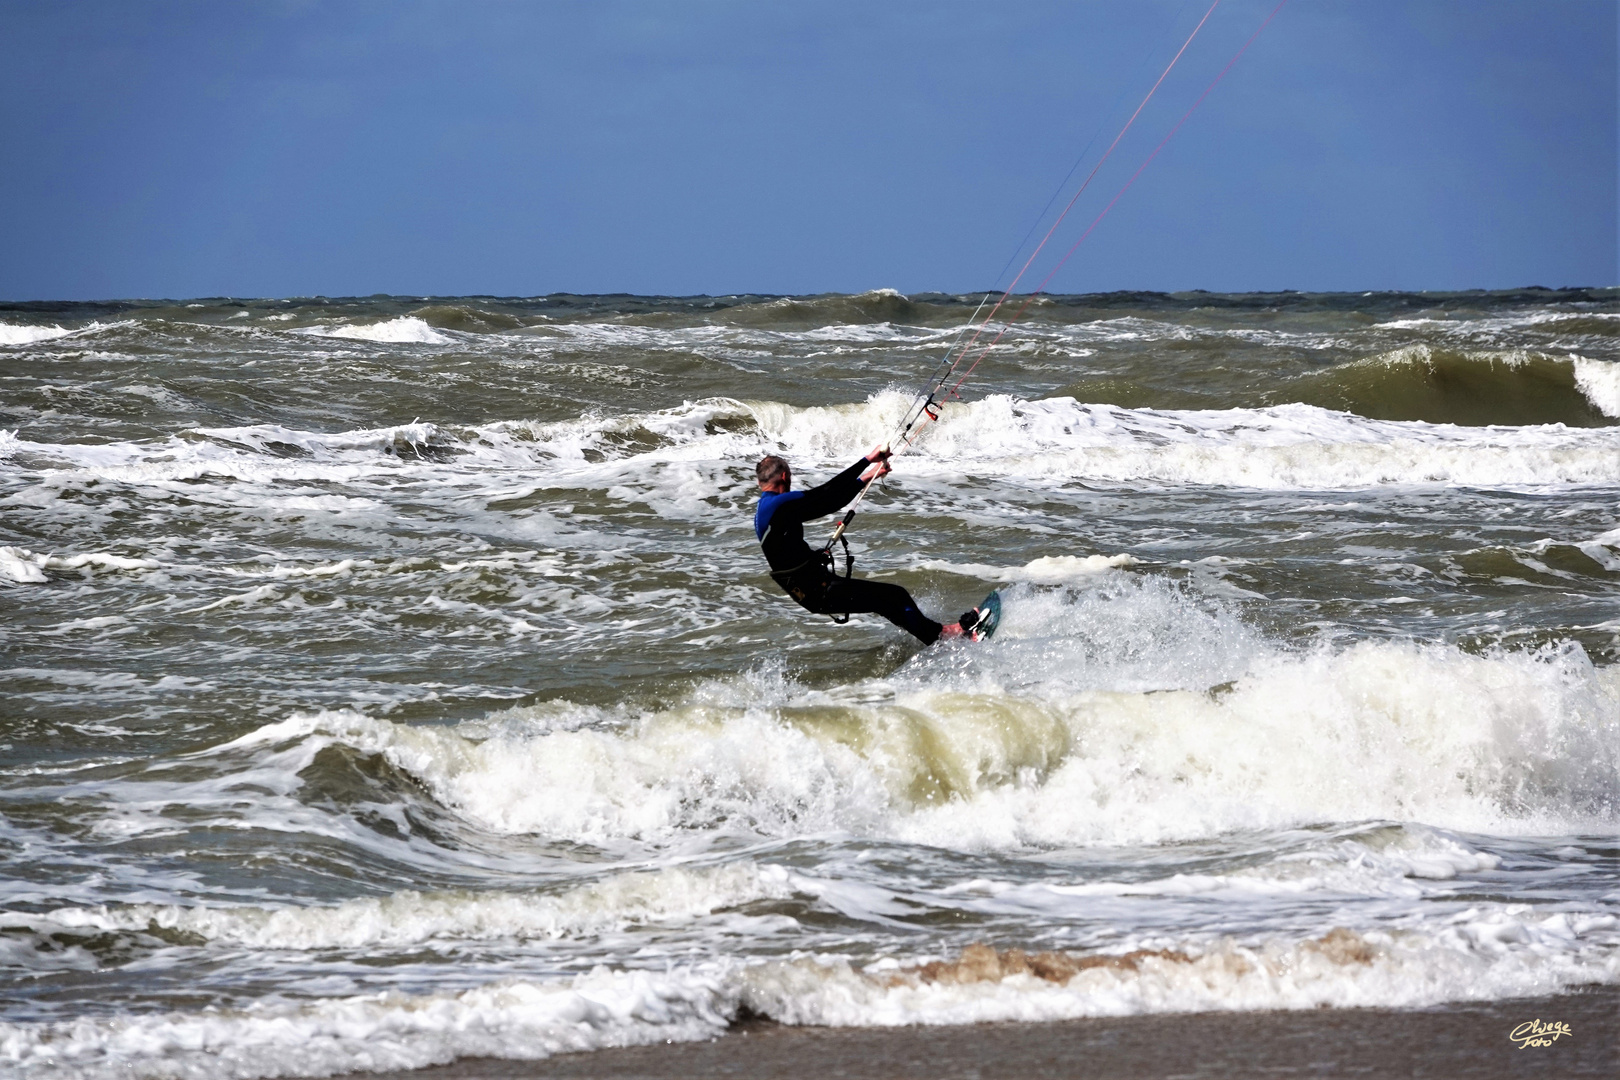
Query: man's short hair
x=770 y=469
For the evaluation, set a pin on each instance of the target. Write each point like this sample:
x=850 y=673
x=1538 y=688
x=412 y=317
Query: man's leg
x=854 y=595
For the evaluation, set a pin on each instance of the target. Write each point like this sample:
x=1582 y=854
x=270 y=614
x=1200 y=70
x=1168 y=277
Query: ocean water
x=397 y=679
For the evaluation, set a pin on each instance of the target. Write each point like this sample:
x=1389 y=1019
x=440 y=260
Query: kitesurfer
x=806 y=574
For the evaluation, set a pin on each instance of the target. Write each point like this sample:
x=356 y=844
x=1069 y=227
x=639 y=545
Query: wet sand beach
x=1462 y=1040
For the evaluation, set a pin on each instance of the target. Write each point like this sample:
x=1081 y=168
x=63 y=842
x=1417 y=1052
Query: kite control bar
x=849 y=515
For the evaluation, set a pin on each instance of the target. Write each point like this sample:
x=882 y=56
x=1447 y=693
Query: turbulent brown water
x=395 y=679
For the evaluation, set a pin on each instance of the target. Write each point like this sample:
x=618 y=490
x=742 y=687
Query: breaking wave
x=412 y=918
x=1446 y=386
x=389 y=743
x=11 y=334
x=832 y=309
x=524 y=1019
x=1016 y=440
x=405 y=330
x=1155 y=722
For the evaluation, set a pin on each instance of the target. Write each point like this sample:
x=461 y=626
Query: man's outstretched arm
x=835 y=494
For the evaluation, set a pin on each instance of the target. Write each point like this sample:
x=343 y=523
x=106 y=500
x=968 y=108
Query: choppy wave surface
x=396 y=680
x=1018 y=441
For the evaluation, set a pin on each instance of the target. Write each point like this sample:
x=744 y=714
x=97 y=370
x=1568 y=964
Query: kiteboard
x=989 y=617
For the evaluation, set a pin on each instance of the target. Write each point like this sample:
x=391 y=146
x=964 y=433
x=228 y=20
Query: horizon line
x=876 y=292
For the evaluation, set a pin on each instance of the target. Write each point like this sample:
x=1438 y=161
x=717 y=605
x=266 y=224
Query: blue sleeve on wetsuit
x=768 y=504
x=802 y=506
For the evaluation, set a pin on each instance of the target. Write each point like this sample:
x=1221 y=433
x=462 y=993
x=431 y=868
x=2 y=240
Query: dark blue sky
x=272 y=149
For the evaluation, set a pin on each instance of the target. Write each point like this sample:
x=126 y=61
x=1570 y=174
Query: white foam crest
x=410 y=918
x=1291 y=446
x=1491 y=323
x=1413 y=324
x=631 y=335
x=1297 y=339
x=830 y=432
x=1121 y=328
x=223 y=789
x=259 y=454
x=1040 y=442
x=1605 y=551
x=1482 y=954
x=1046 y=570
x=1423 y=356
x=98 y=622
x=37 y=953
x=12 y=334
x=1409 y=861
x=743 y=342
x=1287 y=446
x=701 y=766
x=278 y=572
x=1510 y=743
x=21 y=565
x=862 y=333
x=99 y=558
x=1101 y=631
x=594 y=452
x=683 y=426
x=512 y=1019
x=1599 y=380
x=1382 y=731
x=679 y=433
x=695 y=439
x=263 y=437
x=404 y=330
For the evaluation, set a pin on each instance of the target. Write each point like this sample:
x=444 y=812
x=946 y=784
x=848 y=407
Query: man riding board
x=806 y=574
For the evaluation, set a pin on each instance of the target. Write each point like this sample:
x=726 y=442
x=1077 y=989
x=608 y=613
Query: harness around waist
x=821 y=560
x=808 y=582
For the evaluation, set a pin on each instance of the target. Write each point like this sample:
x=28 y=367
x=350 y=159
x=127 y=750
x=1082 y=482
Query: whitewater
x=397 y=680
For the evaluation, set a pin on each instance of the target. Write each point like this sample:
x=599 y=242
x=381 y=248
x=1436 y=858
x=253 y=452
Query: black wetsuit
x=806 y=574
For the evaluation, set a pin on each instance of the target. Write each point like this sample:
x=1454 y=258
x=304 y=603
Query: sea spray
x=398 y=680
